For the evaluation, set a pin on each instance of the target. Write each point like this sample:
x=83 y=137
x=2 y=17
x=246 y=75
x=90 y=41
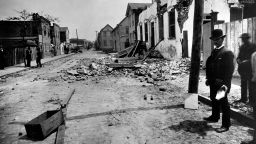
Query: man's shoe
x=222 y=129
x=211 y=119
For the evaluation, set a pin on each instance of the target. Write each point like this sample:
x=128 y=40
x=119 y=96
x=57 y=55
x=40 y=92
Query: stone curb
x=27 y=68
x=235 y=114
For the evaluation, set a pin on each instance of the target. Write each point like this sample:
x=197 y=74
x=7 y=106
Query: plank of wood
x=66 y=101
x=120 y=65
x=61 y=129
x=152 y=49
x=130 y=52
x=136 y=48
x=60 y=134
x=124 y=52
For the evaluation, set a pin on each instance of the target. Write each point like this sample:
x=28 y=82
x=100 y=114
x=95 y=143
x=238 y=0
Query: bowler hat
x=245 y=35
x=217 y=33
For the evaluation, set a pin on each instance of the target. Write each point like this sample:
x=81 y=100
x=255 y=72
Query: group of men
x=28 y=57
x=219 y=71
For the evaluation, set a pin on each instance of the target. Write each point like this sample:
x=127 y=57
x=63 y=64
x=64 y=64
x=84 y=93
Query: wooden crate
x=43 y=125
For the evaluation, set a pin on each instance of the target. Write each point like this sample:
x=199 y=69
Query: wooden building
x=105 y=39
x=120 y=35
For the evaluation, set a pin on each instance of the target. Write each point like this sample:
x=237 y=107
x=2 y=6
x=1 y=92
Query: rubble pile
x=160 y=70
x=150 y=71
x=87 y=68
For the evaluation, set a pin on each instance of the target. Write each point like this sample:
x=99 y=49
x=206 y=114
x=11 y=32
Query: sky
x=87 y=16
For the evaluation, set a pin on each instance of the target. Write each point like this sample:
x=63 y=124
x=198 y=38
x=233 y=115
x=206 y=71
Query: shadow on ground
x=124 y=111
x=199 y=127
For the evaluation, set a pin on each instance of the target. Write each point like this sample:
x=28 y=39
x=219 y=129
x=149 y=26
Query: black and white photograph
x=127 y=71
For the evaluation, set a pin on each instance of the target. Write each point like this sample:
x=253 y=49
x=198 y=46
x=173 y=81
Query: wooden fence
x=234 y=29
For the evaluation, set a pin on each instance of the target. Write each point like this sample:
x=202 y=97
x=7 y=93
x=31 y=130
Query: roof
x=119 y=23
x=106 y=26
x=135 y=6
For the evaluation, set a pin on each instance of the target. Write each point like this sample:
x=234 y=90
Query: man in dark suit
x=245 y=68
x=219 y=71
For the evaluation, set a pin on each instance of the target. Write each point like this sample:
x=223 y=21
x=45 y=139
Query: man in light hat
x=219 y=71
x=245 y=68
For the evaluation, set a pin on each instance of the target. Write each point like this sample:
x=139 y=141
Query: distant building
x=64 y=38
x=105 y=39
x=55 y=38
x=64 y=34
x=44 y=33
x=15 y=36
x=79 y=42
x=132 y=12
x=242 y=9
x=121 y=35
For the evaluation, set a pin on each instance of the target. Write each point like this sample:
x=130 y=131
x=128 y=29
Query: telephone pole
x=196 y=47
x=76 y=38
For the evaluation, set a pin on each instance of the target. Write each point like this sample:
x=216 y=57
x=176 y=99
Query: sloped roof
x=134 y=6
x=105 y=27
x=119 y=23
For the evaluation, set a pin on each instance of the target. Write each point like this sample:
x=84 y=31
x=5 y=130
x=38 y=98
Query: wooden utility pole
x=196 y=46
x=76 y=38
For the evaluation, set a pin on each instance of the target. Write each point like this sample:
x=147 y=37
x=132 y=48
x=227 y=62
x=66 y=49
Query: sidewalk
x=21 y=67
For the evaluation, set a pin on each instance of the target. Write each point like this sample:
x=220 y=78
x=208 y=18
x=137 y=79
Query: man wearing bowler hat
x=219 y=71
x=245 y=68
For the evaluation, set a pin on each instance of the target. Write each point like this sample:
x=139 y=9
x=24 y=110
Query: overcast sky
x=87 y=16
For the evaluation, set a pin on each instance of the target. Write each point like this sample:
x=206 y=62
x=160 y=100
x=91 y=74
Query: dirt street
x=108 y=109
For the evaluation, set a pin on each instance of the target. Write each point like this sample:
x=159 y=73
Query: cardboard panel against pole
x=191 y=102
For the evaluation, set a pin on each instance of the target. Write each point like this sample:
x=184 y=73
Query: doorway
x=152 y=34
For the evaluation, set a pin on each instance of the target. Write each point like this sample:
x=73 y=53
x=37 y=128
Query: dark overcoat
x=220 y=68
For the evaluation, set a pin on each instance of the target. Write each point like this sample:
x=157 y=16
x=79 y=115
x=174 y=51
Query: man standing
x=245 y=68
x=38 y=57
x=219 y=71
x=28 y=56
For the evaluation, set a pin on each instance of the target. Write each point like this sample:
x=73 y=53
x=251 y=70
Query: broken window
x=146 y=32
x=171 y=15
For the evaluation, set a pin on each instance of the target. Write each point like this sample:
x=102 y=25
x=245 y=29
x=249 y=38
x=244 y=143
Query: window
x=105 y=43
x=171 y=16
x=127 y=30
x=104 y=33
x=161 y=27
x=141 y=34
x=111 y=43
x=44 y=31
x=146 y=31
